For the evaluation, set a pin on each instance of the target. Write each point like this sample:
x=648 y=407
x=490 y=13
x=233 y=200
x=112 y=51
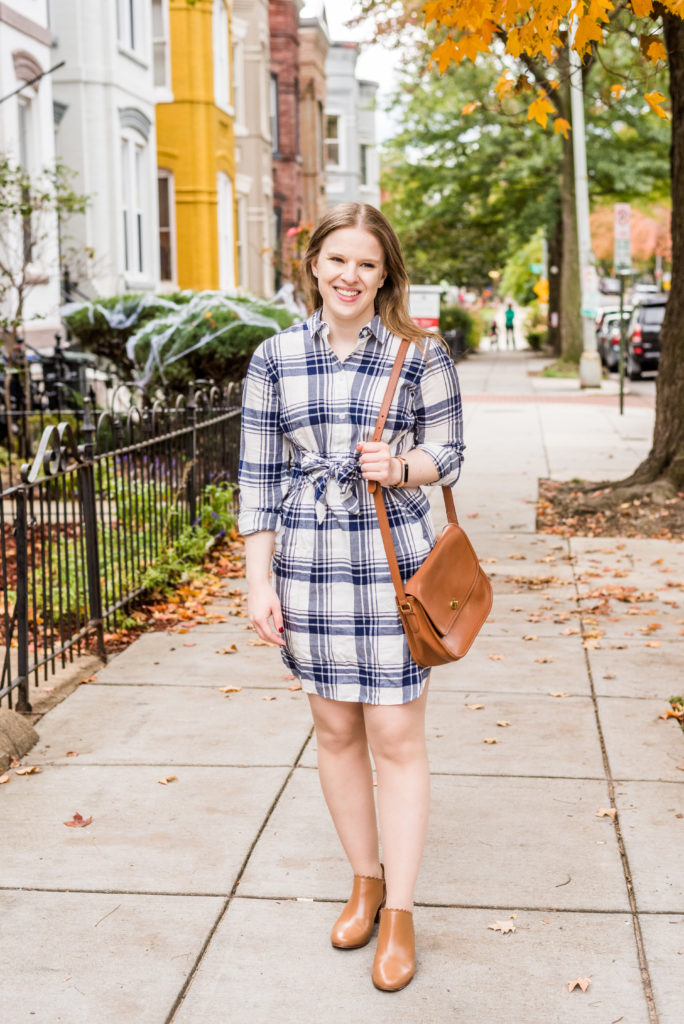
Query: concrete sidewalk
x=209 y=899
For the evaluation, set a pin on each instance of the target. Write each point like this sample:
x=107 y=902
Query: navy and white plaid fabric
x=303 y=413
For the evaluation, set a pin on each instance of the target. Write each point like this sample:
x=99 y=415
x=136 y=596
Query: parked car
x=608 y=337
x=643 y=339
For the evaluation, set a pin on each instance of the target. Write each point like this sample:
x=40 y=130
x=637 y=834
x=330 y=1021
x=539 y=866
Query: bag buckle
x=405 y=607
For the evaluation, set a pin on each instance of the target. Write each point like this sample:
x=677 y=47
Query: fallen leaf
x=503 y=724
x=167 y=778
x=260 y=643
x=505 y=927
x=230 y=689
x=490 y=740
x=228 y=650
x=189 y=643
x=606 y=812
x=608 y=675
x=582 y=983
x=78 y=821
x=90 y=679
x=496 y=657
x=530 y=636
x=295 y=686
x=28 y=769
x=269 y=698
x=288 y=675
x=544 y=660
x=72 y=753
x=475 y=707
x=6 y=778
x=571 y=631
x=654 y=643
x=559 y=693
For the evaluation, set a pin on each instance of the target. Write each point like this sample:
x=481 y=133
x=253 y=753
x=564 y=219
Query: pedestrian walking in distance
x=510 y=320
x=494 y=335
x=311 y=400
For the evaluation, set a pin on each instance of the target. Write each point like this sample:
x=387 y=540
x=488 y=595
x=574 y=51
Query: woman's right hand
x=263 y=605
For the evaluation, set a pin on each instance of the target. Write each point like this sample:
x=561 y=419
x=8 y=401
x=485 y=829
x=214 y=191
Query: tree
x=537 y=34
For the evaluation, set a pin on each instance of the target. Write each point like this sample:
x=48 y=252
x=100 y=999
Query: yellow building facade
x=196 y=147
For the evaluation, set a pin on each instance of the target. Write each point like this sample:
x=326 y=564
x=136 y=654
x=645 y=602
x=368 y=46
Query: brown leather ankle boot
x=354 y=926
x=395 y=957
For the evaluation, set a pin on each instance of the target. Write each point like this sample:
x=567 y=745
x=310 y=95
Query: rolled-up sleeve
x=439 y=414
x=263 y=473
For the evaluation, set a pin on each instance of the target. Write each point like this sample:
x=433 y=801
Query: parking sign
x=622 y=255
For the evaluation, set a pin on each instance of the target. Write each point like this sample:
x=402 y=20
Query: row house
x=27 y=141
x=205 y=136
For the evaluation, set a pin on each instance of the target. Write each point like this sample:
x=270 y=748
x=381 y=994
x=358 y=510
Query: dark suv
x=643 y=337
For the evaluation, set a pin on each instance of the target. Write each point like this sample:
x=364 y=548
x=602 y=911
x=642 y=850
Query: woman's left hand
x=377 y=462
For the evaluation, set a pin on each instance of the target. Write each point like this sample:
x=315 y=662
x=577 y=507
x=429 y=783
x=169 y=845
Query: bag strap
x=376 y=490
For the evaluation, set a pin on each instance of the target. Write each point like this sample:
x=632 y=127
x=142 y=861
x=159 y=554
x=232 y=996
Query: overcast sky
x=376 y=63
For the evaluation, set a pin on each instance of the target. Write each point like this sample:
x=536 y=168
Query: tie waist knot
x=335 y=481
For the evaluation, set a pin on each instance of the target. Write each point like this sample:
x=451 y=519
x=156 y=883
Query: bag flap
x=446 y=578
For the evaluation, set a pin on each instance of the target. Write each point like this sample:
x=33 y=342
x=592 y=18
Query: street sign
x=622 y=255
x=536 y=268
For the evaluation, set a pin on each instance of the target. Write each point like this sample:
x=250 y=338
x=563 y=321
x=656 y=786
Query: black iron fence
x=92 y=512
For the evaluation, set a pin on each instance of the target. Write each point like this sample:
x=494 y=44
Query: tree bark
x=555 y=266
x=666 y=458
x=571 y=337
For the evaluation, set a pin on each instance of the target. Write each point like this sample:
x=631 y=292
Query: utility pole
x=590 y=364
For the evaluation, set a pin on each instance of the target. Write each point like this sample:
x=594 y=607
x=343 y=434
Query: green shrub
x=536 y=338
x=453 y=317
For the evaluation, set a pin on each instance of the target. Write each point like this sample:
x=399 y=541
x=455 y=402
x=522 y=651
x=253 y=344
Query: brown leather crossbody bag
x=444 y=605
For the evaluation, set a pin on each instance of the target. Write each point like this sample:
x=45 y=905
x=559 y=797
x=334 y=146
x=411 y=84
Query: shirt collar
x=318 y=328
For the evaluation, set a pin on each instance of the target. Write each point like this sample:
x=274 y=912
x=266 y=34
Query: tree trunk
x=666 y=458
x=571 y=337
x=555 y=266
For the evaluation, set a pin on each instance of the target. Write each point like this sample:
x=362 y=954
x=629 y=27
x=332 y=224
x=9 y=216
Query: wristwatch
x=403 y=479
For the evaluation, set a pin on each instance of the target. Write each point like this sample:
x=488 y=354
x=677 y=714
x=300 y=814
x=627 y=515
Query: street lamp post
x=590 y=364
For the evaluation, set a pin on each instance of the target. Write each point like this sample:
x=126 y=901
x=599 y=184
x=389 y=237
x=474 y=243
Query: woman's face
x=350 y=268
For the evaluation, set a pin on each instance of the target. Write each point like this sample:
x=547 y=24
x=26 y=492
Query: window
x=364 y=163
x=332 y=139
x=242 y=248
x=275 y=119
x=226 y=232
x=167 y=254
x=278 y=245
x=296 y=117
x=128 y=23
x=160 y=44
x=132 y=163
x=26 y=160
x=221 y=60
x=239 y=32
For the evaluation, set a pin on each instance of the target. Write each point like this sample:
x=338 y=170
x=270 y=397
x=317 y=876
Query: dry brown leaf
x=505 y=927
x=28 y=769
x=679 y=767
x=559 y=693
x=517 y=556
x=606 y=812
x=269 y=698
x=167 y=778
x=6 y=778
x=582 y=983
x=228 y=650
x=230 y=689
x=78 y=821
x=544 y=660
x=571 y=631
x=654 y=643
x=608 y=675
x=259 y=643
x=496 y=657
x=189 y=643
x=503 y=723
x=530 y=636
x=288 y=675
x=490 y=740
x=72 y=753
x=89 y=679
x=295 y=686
x=475 y=707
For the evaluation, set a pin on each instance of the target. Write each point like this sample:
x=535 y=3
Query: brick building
x=285 y=129
x=314 y=45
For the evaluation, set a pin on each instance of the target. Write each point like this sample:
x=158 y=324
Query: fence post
x=21 y=535
x=191 y=481
x=86 y=476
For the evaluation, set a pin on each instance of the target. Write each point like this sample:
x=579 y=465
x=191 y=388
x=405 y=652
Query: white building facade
x=27 y=141
x=105 y=101
x=352 y=165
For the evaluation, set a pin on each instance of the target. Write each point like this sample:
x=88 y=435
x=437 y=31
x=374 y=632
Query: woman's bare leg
x=396 y=735
x=346 y=780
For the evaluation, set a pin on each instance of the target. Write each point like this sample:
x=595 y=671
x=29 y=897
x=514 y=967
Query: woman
x=311 y=401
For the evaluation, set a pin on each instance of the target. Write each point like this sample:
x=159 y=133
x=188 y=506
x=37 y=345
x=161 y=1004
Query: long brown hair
x=392 y=300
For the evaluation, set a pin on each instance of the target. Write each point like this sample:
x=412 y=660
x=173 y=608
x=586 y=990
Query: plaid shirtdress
x=303 y=413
